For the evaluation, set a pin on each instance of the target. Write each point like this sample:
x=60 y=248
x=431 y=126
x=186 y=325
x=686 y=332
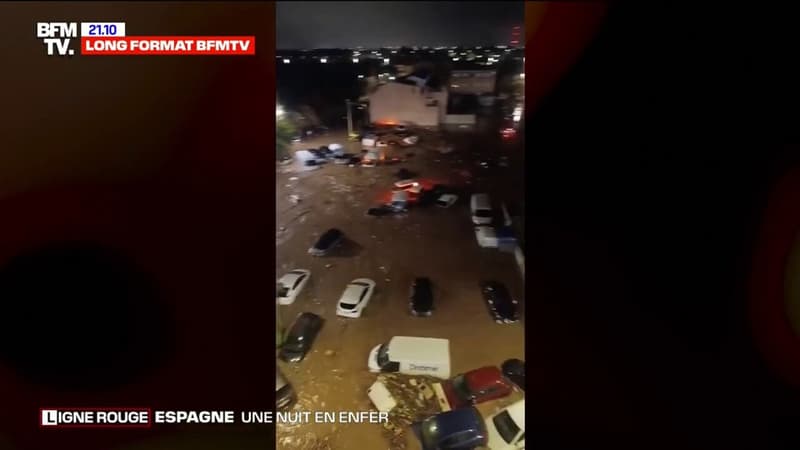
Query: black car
x=421 y=299
x=514 y=370
x=502 y=307
x=300 y=337
x=429 y=196
x=329 y=240
x=318 y=153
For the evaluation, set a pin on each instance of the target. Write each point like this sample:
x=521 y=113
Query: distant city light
x=287 y=60
x=391 y=77
x=361 y=76
x=278 y=111
x=386 y=60
x=522 y=76
x=456 y=59
x=355 y=60
x=323 y=60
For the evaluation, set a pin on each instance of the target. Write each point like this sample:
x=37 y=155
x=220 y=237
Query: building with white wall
x=404 y=103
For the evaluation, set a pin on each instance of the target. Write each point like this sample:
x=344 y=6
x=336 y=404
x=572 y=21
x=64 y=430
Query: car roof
x=486 y=232
x=303 y=321
x=485 y=375
x=419 y=348
x=291 y=276
x=458 y=420
x=352 y=293
x=495 y=286
x=422 y=280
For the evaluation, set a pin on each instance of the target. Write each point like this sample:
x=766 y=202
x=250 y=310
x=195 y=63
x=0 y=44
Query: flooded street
x=433 y=242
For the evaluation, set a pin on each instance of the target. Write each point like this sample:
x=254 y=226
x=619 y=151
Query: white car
x=506 y=429
x=291 y=284
x=446 y=200
x=355 y=298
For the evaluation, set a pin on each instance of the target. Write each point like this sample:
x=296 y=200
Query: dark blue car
x=458 y=429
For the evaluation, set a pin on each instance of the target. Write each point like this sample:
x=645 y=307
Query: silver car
x=284 y=393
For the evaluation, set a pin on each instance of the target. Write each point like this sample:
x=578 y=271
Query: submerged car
x=300 y=337
x=284 y=394
x=328 y=241
x=506 y=429
x=514 y=370
x=452 y=430
x=421 y=299
x=502 y=307
x=344 y=158
x=355 y=298
x=473 y=387
x=291 y=284
x=446 y=200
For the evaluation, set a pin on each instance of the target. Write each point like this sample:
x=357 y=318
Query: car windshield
x=460 y=386
x=505 y=426
x=383 y=355
x=359 y=283
x=483 y=213
x=347 y=305
x=283 y=291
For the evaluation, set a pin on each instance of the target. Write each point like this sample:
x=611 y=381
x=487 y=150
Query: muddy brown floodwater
x=433 y=242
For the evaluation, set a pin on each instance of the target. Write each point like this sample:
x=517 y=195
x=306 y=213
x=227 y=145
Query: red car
x=475 y=386
x=508 y=133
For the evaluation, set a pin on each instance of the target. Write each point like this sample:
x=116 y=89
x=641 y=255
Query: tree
x=284 y=132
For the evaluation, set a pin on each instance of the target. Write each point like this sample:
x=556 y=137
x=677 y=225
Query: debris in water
x=294 y=198
x=328 y=266
x=329 y=353
x=388 y=279
x=410 y=408
x=292 y=178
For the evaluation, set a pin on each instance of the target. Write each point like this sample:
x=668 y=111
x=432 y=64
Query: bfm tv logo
x=56 y=36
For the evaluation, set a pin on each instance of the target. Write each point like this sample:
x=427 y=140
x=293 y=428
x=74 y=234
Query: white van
x=412 y=356
x=481 y=208
x=506 y=429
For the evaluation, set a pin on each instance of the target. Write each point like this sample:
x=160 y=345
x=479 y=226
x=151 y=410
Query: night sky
x=306 y=25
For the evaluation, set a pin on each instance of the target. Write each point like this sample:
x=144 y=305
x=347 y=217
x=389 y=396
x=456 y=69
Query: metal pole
x=349 y=119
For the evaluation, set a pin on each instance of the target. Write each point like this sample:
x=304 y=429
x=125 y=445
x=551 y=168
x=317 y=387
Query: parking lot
x=434 y=242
